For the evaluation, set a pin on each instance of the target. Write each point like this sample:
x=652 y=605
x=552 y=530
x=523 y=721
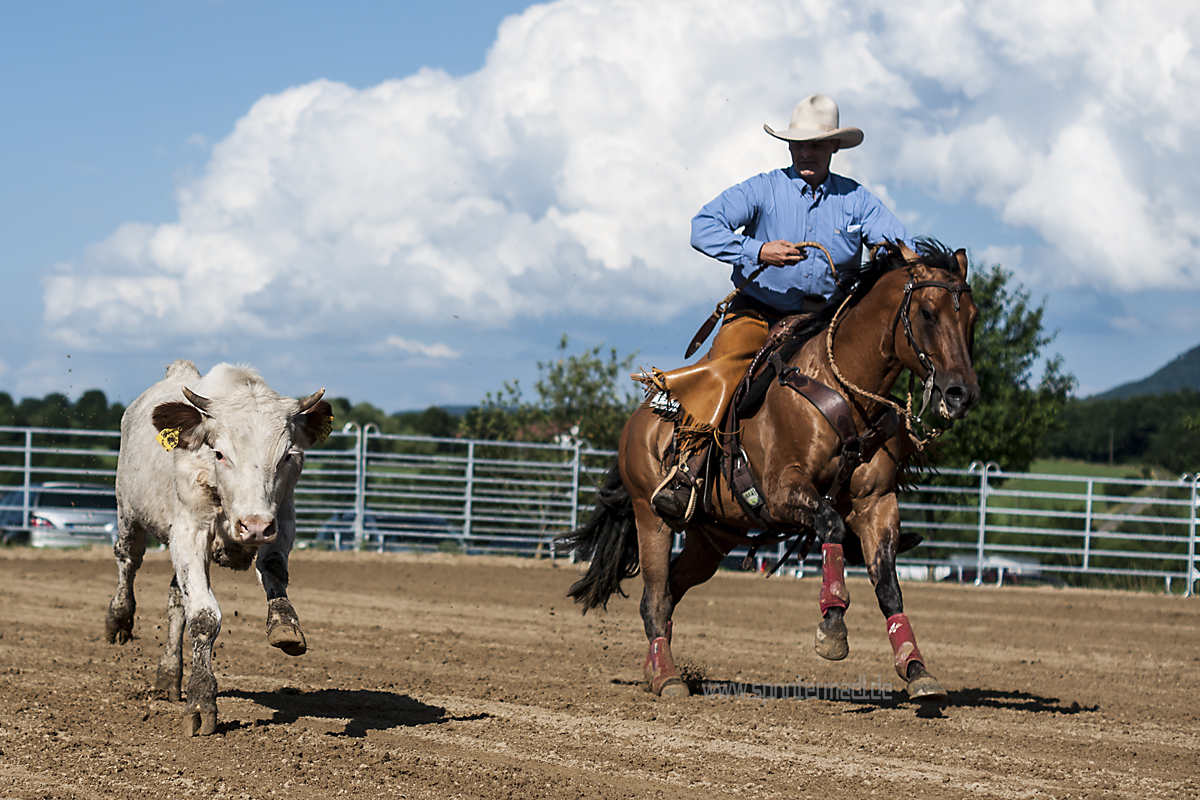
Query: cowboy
x=755 y=223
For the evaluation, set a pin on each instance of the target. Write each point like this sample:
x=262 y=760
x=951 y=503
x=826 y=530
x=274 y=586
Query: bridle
x=902 y=316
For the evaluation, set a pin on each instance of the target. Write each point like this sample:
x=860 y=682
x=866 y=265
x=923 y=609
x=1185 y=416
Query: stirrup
x=668 y=500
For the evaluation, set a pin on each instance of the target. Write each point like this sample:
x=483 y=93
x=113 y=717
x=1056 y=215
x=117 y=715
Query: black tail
x=609 y=541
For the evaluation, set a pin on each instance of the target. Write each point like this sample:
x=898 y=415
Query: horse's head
x=934 y=326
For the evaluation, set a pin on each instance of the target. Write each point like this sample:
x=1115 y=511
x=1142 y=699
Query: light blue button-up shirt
x=840 y=214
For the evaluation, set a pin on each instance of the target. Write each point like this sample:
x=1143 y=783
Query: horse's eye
x=925 y=315
x=220 y=456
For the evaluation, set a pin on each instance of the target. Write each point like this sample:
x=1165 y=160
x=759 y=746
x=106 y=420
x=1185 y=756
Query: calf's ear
x=178 y=424
x=314 y=425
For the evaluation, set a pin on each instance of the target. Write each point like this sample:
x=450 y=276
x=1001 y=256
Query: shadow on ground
x=366 y=710
x=866 y=697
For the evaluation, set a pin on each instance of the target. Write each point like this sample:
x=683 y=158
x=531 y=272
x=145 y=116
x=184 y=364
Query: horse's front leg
x=831 y=640
x=804 y=507
x=878 y=527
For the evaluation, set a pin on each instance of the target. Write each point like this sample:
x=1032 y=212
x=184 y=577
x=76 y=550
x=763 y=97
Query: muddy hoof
x=926 y=690
x=118 y=631
x=168 y=686
x=674 y=689
x=199 y=722
x=831 y=642
x=288 y=638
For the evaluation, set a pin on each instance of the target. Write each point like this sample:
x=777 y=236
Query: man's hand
x=781 y=254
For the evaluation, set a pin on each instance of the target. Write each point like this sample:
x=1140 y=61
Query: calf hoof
x=830 y=641
x=283 y=627
x=287 y=638
x=922 y=686
x=118 y=630
x=199 y=722
x=168 y=686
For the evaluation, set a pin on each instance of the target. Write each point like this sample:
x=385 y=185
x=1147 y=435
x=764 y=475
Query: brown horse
x=906 y=310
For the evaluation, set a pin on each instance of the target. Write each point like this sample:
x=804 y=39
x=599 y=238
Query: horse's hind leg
x=654 y=544
x=831 y=640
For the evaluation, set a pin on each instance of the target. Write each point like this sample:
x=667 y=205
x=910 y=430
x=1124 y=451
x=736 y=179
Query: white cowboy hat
x=815 y=118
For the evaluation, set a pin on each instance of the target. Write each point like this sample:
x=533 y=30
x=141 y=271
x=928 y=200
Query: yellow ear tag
x=169 y=438
x=326 y=429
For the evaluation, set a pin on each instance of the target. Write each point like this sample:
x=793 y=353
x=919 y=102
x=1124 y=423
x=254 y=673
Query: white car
x=60 y=515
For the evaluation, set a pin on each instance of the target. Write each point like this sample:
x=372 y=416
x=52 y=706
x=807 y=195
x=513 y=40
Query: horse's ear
x=961 y=256
x=906 y=251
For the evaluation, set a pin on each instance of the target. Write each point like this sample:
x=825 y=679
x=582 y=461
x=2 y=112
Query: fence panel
x=367 y=490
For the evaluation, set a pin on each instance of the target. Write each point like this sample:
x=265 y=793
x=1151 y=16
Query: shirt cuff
x=750 y=250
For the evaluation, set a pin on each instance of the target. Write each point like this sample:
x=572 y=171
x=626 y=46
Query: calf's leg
x=283 y=624
x=203 y=617
x=169 y=682
x=129 y=550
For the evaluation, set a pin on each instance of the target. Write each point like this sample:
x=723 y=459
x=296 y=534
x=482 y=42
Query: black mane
x=856 y=283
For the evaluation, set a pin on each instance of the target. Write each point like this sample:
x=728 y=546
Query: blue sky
x=409 y=203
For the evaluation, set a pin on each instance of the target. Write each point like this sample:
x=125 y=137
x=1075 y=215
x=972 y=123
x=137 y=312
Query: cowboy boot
x=675 y=498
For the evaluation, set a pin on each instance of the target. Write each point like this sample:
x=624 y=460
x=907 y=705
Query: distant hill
x=1183 y=372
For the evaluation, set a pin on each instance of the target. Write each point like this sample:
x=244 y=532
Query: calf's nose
x=256 y=530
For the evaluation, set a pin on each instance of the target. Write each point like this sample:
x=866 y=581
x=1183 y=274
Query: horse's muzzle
x=958 y=397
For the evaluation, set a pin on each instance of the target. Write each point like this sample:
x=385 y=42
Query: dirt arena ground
x=448 y=677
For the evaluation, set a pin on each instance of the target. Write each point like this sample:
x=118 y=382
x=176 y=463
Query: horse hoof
x=199 y=722
x=674 y=689
x=831 y=642
x=926 y=690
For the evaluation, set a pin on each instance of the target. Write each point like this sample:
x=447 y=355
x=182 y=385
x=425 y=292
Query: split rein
x=911 y=420
x=709 y=324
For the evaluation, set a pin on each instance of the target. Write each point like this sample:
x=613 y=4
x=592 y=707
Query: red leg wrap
x=833 y=582
x=659 y=668
x=904 y=644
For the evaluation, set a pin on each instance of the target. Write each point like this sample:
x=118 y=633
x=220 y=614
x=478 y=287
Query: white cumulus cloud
x=436 y=350
x=560 y=178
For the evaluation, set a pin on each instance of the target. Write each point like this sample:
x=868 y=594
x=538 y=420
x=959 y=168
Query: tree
x=433 y=421
x=578 y=396
x=1013 y=416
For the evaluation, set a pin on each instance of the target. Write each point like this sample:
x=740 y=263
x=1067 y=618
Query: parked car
x=399 y=531
x=997 y=570
x=60 y=515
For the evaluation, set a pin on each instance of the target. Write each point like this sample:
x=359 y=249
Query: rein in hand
x=709 y=324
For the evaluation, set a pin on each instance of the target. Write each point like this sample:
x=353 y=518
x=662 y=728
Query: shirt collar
x=820 y=192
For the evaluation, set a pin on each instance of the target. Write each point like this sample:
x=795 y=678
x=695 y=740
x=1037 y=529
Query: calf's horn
x=196 y=400
x=310 y=401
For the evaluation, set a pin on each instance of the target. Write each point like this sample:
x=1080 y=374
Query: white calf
x=208 y=466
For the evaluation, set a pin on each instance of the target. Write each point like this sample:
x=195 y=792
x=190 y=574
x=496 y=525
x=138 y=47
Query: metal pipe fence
x=364 y=489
